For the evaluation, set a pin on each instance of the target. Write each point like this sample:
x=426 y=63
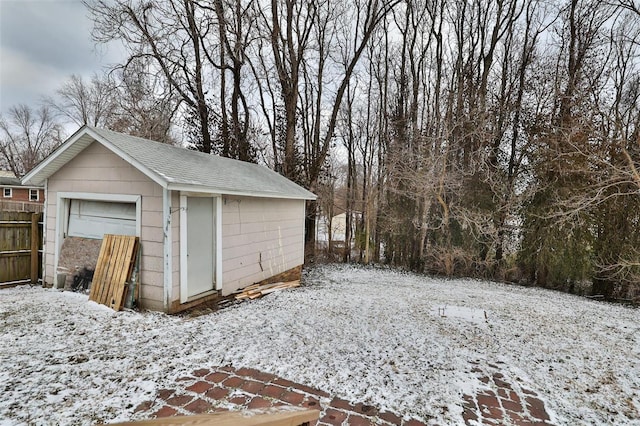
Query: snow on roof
x=10 y=181
x=175 y=167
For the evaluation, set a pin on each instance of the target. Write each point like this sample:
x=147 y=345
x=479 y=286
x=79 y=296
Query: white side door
x=201 y=239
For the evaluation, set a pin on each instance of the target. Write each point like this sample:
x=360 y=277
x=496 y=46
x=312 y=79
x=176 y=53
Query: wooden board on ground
x=271 y=417
x=113 y=269
x=255 y=291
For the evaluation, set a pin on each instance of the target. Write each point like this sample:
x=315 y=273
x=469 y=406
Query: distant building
x=338 y=227
x=17 y=197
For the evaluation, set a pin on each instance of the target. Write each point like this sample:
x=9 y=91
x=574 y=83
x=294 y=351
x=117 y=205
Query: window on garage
x=93 y=219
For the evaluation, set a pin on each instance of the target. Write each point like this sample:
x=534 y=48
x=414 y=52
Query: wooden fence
x=20 y=248
x=21 y=206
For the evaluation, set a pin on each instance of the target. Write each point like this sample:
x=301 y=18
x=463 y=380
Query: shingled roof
x=174 y=167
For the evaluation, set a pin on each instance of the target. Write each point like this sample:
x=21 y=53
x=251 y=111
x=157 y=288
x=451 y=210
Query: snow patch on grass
x=363 y=334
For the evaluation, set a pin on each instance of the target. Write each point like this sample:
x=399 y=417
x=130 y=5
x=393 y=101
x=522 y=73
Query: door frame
x=63 y=201
x=217 y=273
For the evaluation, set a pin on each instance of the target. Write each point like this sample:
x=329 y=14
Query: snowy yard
x=403 y=342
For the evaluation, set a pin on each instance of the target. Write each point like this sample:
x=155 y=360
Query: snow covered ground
x=400 y=341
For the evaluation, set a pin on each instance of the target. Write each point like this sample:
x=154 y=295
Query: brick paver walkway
x=499 y=404
x=230 y=389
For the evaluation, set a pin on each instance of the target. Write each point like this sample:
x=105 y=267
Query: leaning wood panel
x=113 y=255
x=128 y=259
x=117 y=254
x=288 y=417
x=112 y=273
x=102 y=267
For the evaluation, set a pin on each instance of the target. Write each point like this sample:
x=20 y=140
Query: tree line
x=488 y=138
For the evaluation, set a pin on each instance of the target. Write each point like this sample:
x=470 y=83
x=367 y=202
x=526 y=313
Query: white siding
x=260 y=238
x=97 y=170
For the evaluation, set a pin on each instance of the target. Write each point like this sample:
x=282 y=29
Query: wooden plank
x=116 y=248
x=127 y=267
x=283 y=417
x=261 y=288
x=9 y=284
x=136 y=246
x=291 y=284
x=251 y=287
x=255 y=291
x=136 y=293
x=120 y=274
x=15 y=253
x=108 y=269
x=98 y=275
x=114 y=268
x=102 y=270
x=103 y=261
x=133 y=266
x=117 y=255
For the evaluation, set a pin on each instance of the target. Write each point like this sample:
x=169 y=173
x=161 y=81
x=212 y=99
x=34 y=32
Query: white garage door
x=93 y=219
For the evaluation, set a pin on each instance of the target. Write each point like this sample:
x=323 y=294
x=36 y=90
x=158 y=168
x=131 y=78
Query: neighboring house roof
x=9 y=180
x=174 y=167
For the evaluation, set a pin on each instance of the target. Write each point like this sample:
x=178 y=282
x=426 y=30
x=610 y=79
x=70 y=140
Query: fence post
x=35 y=246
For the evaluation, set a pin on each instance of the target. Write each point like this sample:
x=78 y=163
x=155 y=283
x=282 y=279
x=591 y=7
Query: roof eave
x=38 y=174
x=22 y=186
x=41 y=172
x=221 y=191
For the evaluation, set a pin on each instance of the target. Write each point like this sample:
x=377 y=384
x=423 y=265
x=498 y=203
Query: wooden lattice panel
x=115 y=264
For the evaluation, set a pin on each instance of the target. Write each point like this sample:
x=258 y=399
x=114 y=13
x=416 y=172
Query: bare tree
x=93 y=103
x=288 y=25
x=145 y=107
x=27 y=137
x=173 y=34
x=236 y=22
x=302 y=37
x=367 y=16
x=479 y=136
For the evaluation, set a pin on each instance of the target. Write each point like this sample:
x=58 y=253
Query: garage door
x=93 y=219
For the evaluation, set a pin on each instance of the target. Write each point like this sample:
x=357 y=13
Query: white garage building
x=208 y=225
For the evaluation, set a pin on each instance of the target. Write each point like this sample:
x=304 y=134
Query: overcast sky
x=43 y=42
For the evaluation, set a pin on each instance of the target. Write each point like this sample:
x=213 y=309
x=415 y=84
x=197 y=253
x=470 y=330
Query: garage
x=207 y=225
x=83 y=219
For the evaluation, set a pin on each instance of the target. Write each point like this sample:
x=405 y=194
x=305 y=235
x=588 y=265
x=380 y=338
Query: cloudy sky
x=43 y=42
